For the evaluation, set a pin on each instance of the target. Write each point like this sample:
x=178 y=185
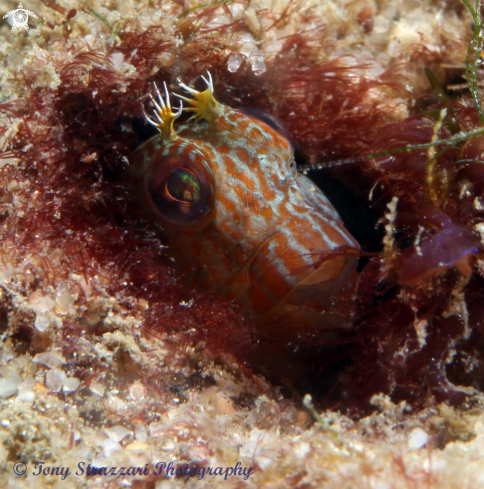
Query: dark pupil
x=183 y=186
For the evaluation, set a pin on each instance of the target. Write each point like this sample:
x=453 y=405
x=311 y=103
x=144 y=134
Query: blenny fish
x=238 y=217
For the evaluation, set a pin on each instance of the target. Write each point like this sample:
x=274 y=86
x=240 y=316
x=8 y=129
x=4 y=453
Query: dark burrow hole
x=144 y=130
x=359 y=218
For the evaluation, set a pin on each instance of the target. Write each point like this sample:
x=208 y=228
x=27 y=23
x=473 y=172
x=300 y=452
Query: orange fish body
x=240 y=218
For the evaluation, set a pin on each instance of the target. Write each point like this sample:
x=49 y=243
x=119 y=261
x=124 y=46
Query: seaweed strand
x=474 y=47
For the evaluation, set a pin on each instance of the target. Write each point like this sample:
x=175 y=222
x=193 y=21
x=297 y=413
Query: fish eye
x=181 y=191
x=183 y=185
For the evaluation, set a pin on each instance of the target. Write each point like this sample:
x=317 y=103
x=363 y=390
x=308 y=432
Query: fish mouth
x=278 y=282
x=308 y=307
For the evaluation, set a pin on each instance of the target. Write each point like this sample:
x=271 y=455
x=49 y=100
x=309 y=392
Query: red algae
x=449 y=246
x=422 y=283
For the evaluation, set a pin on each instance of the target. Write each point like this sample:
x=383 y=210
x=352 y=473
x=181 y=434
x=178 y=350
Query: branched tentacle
x=203 y=104
x=163 y=113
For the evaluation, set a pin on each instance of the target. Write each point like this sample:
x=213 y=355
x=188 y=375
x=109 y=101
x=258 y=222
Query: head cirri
x=239 y=218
